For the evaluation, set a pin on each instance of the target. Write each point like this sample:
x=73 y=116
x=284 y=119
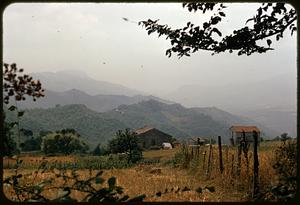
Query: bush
x=286 y=169
x=63 y=142
x=32 y=144
x=285 y=165
x=100 y=150
x=126 y=142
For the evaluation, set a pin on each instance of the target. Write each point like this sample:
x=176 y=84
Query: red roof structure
x=244 y=128
x=143 y=130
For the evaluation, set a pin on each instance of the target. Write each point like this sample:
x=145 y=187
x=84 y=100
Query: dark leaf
x=222 y=13
x=259 y=11
x=138 y=198
x=186 y=189
x=20 y=114
x=124 y=198
x=199 y=190
x=252 y=19
x=99 y=173
x=158 y=194
x=19 y=175
x=111 y=182
x=217 y=31
x=99 y=180
x=269 y=42
x=12 y=108
x=294 y=29
x=210 y=188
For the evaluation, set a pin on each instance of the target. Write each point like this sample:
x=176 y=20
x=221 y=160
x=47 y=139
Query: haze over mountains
x=271 y=103
x=277 y=92
x=99 y=103
x=70 y=79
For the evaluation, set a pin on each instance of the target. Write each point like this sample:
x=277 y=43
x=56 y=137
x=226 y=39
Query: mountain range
x=70 y=79
x=75 y=87
x=271 y=102
x=99 y=103
x=96 y=127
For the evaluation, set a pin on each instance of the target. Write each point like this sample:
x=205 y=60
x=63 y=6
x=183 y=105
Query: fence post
x=255 y=166
x=192 y=152
x=204 y=155
x=232 y=165
x=239 y=153
x=220 y=154
x=209 y=158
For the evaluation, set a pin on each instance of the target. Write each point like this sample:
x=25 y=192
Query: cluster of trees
x=126 y=143
x=66 y=141
x=283 y=137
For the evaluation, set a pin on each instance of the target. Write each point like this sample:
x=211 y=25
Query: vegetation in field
x=126 y=143
x=180 y=174
x=65 y=141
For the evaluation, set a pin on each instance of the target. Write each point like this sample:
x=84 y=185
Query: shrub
x=63 y=142
x=286 y=167
x=126 y=142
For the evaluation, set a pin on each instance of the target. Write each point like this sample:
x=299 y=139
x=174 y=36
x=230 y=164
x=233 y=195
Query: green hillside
x=174 y=119
x=89 y=124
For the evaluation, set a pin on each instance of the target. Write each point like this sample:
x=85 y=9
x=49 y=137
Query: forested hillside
x=96 y=127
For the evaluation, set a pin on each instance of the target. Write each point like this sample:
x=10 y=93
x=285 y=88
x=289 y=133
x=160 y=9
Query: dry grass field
x=141 y=180
x=159 y=177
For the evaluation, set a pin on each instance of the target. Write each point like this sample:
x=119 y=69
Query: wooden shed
x=238 y=133
x=149 y=137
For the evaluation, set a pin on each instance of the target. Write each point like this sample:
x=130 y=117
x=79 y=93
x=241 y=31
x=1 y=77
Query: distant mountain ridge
x=99 y=103
x=271 y=102
x=69 y=79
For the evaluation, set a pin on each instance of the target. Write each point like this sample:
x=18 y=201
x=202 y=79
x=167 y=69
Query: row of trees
x=68 y=141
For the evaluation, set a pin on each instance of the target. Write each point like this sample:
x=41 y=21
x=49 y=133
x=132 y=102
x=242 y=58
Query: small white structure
x=166 y=145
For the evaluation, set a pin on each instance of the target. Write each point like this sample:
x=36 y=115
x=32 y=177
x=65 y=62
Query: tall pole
x=220 y=154
x=255 y=166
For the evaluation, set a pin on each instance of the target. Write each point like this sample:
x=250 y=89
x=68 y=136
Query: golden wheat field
x=164 y=178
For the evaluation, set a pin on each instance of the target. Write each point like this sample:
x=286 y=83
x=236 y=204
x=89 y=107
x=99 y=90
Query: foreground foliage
x=271 y=20
x=29 y=192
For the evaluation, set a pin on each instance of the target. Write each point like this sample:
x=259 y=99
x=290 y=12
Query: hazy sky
x=61 y=36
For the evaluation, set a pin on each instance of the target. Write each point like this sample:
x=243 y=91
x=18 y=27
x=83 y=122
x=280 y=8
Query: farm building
x=238 y=132
x=149 y=137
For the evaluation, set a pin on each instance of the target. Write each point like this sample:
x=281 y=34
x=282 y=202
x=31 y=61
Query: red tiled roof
x=143 y=130
x=244 y=128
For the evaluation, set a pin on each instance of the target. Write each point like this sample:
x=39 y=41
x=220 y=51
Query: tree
x=32 y=144
x=44 y=133
x=126 y=142
x=284 y=137
x=17 y=86
x=10 y=146
x=271 y=20
x=100 y=150
x=63 y=142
